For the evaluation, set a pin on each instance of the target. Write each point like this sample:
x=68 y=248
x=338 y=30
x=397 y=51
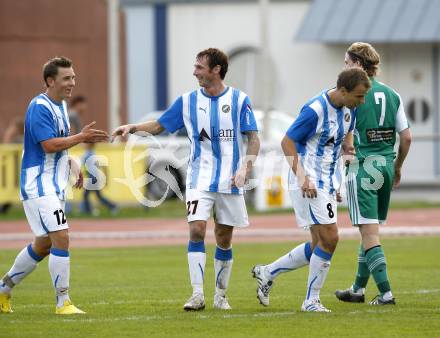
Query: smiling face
x=61 y=86
x=204 y=74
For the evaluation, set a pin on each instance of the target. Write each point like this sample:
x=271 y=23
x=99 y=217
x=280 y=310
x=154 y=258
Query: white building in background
x=163 y=38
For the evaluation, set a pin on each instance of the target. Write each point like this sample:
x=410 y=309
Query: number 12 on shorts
x=192 y=204
x=61 y=218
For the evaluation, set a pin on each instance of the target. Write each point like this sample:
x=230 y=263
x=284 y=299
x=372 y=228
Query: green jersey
x=377 y=122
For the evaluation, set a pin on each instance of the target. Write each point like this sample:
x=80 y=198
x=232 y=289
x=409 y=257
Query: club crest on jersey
x=347 y=117
x=226 y=108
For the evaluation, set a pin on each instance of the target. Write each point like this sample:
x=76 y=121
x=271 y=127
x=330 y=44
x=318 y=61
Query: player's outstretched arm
x=151 y=127
x=252 y=151
x=87 y=135
x=405 y=143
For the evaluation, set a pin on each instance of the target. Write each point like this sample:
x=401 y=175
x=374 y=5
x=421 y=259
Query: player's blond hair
x=366 y=55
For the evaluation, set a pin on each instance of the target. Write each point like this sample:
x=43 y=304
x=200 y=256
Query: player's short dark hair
x=215 y=57
x=77 y=99
x=351 y=78
x=50 y=68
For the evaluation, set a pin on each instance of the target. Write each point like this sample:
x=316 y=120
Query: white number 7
x=381 y=96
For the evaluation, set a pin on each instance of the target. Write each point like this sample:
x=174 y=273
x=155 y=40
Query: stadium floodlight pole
x=265 y=79
x=114 y=99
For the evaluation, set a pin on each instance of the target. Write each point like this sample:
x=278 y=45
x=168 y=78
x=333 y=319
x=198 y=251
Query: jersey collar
x=214 y=97
x=330 y=102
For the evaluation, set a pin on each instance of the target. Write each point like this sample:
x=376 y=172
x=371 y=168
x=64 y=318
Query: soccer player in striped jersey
x=312 y=146
x=216 y=117
x=380 y=118
x=45 y=172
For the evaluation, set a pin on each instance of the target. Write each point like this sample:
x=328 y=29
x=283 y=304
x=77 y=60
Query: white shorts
x=229 y=209
x=45 y=214
x=310 y=211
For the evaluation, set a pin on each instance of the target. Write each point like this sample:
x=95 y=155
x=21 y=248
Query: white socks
x=387 y=295
x=318 y=269
x=360 y=291
x=25 y=262
x=222 y=268
x=319 y=265
x=59 y=268
x=197 y=261
x=295 y=259
x=196 y=264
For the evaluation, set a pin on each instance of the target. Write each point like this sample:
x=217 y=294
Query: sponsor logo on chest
x=222 y=135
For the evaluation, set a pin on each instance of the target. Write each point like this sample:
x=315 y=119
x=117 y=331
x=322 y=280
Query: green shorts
x=369 y=184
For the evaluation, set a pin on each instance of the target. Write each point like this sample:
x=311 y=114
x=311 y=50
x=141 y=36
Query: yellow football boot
x=68 y=309
x=5 y=303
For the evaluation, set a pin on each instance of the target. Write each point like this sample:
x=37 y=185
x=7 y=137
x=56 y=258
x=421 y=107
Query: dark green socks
x=363 y=273
x=375 y=260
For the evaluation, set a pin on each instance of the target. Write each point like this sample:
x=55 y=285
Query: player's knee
x=197 y=231
x=41 y=246
x=330 y=241
x=369 y=230
x=219 y=232
x=370 y=240
x=223 y=242
x=196 y=236
x=41 y=250
x=62 y=243
x=60 y=240
x=223 y=236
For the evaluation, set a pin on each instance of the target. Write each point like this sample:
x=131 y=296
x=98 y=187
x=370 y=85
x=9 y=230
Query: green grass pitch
x=139 y=292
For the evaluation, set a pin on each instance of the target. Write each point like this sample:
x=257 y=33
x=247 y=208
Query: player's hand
x=75 y=171
x=308 y=188
x=91 y=135
x=397 y=177
x=123 y=131
x=348 y=149
x=240 y=177
x=80 y=181
x=349 y=153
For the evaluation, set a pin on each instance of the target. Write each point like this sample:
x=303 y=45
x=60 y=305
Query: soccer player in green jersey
x=373 y=173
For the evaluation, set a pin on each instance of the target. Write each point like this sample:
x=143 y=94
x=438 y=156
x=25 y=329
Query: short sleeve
x=247 y=118
x=401 y=120
x=304 y=127
x=172 y=118
x=42 y=125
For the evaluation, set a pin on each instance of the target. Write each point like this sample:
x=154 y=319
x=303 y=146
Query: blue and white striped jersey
x=215 y=125
x=318 y=133
x=44 y=174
